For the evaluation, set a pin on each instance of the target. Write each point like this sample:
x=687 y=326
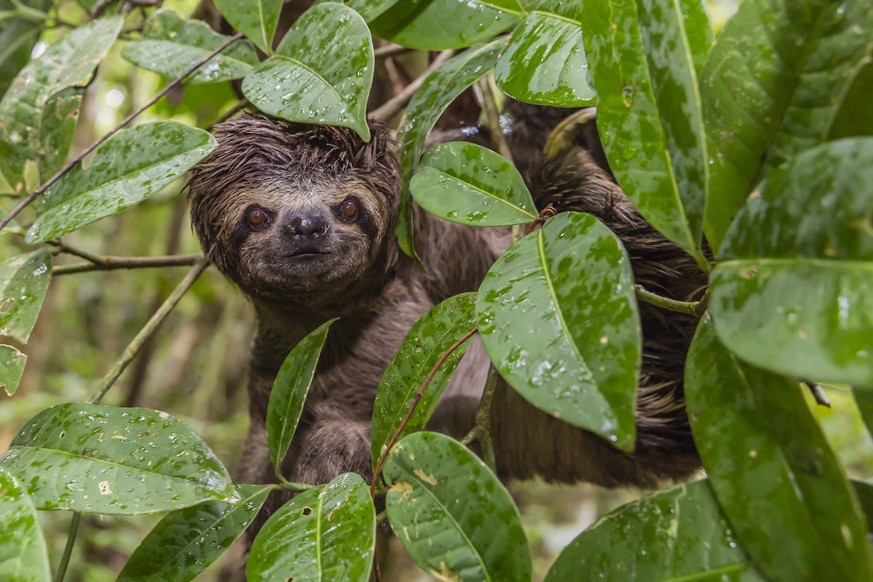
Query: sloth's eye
x=349 y=209
x=257 y=218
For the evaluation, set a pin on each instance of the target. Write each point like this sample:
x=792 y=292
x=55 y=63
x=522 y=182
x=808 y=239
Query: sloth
x=301 y=218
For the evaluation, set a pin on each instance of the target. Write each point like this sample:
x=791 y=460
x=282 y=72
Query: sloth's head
x=287 y=209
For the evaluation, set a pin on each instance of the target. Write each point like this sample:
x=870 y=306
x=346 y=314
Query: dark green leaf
x=23 y=554
x=58 y=125
x=794 y=291
x=864 y=400
x=648 y=113
x=545 y=61
x=426 y=342
x=24 y=280
x=780 y=485
x=188 y=540
x=698 y=31
x=17 y=37
x=127 y=169
x=770 y=88
x=678 y=534
x=452 y=514
x=12 y=363
x=289 y=393
x=321 y=72
x=68 y=63
x=170 y=46
x=368 y=9
x=103 y=459
x=424 y=109
x=469 y=184
x=325 y=533
x=558 y=317
x=256 y=19
x=852 y=117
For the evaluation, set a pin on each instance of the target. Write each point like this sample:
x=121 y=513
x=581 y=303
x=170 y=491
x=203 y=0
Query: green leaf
x=864 y=401
x=770 y=87
x=545 y=61
x=772 y=470
x=24 y=280
x=325 y=533
x=58 y=125
x=23 y=553
x=68 y=63
x=127 y=169
x=256 y=19
x=17 y=37
x=123 y=461
x=469 y=184
x=170 y=45
x=321 y=73
x=445 y=24
x=559 y=319
x=436 y=93
x=289 y=393
x=12 y=364
x=794 y=291
x=368 y=9
x=648 y=114
x=423 y=346
x=678 y=534
x=852 y=117
x=698 y=31
x=452 y=514
x=187 y=541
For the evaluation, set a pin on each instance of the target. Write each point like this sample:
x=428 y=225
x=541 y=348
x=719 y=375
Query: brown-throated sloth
x=302 y=219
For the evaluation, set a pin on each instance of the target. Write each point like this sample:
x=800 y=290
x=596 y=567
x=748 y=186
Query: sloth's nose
x=306 y=226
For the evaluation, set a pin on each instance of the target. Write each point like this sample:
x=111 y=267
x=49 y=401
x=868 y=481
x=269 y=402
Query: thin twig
x=391 y=107
x=69 y=165
x=818 y=393
x=481 y=431
x=68 y=548
x=565 y=135
x=111 y=263
x=492 y=115
x=413 y=404
x=295 y=487
x=689 y=307
x=391 y=50
x=545 y=214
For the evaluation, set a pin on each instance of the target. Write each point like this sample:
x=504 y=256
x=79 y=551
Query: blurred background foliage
x=196 y=365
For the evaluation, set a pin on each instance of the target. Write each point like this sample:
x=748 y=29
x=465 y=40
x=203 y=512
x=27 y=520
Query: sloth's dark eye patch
x=257 y=218
x=348 y=210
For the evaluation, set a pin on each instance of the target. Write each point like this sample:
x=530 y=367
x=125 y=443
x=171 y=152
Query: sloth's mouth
x=305 y=253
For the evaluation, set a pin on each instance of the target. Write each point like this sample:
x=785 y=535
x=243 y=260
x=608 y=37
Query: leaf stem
x=295 y=487
x=391 y=107
x=481 y=431
x=68 y=548
x=695 y=308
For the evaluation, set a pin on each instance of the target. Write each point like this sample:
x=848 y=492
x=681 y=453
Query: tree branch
x=112 y=263
x=481 y=431
x=391 y=107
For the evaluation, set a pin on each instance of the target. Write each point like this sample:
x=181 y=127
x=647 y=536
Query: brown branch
x=391 y=50
x=391 y=107
x=545 y=214
x=413 y=404
x=481 y=431
x=111 y=263
x=69 y=165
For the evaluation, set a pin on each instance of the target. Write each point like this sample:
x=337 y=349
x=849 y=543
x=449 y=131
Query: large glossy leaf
x=325 y=533
x=23 y=554
x=469 y=184
x=678 y=534
x=127 y=169
x=424 y=109
x=772 y=470
x=58 y=125
x=698 y=31
x=187 y=541
x=545 y=61
x=17 y=37
x=170 y=45
x=648 y=111
x=321 y=71
x=771 y=84
x=12 y=363
x=68 y=63
x=426 y=342
x=445 y=24
x=256 y=19
x=794 y=291
x=289 y=393
x=452 y=514
x=24 y=280
x=103 y=459
x=559 y=320
x=852 y=117
x=368 y=9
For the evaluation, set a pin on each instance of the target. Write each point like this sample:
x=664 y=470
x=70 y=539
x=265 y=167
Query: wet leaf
x=17 y=37
x=23 y=553
x=104 y=459
x=772 y=469
x=134 y=164
x=170 y=45
x=58 y=125
x=325 y=533
x=256 y=19
x=68 y=63
x=321 y=72
x=677 y=534
x=423 y=346
x=187 y=541
x=770 y=87
x=445 y=24
x=559 y=319
x=469 y=184
x=698 y=31
x=436 y=93
x=452 y=514
x=648 y=112
x=12 y=364
x=545 y=61
x=24 y=280
x=368 y=9
x=852 y=116
x=864 y=401
x=794 y=290
x=289 y=393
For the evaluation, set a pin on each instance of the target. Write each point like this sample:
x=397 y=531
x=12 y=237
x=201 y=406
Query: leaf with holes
x=23 y=553
x=24 y=281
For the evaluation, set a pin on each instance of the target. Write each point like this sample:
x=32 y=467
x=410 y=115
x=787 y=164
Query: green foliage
x=23 y=553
